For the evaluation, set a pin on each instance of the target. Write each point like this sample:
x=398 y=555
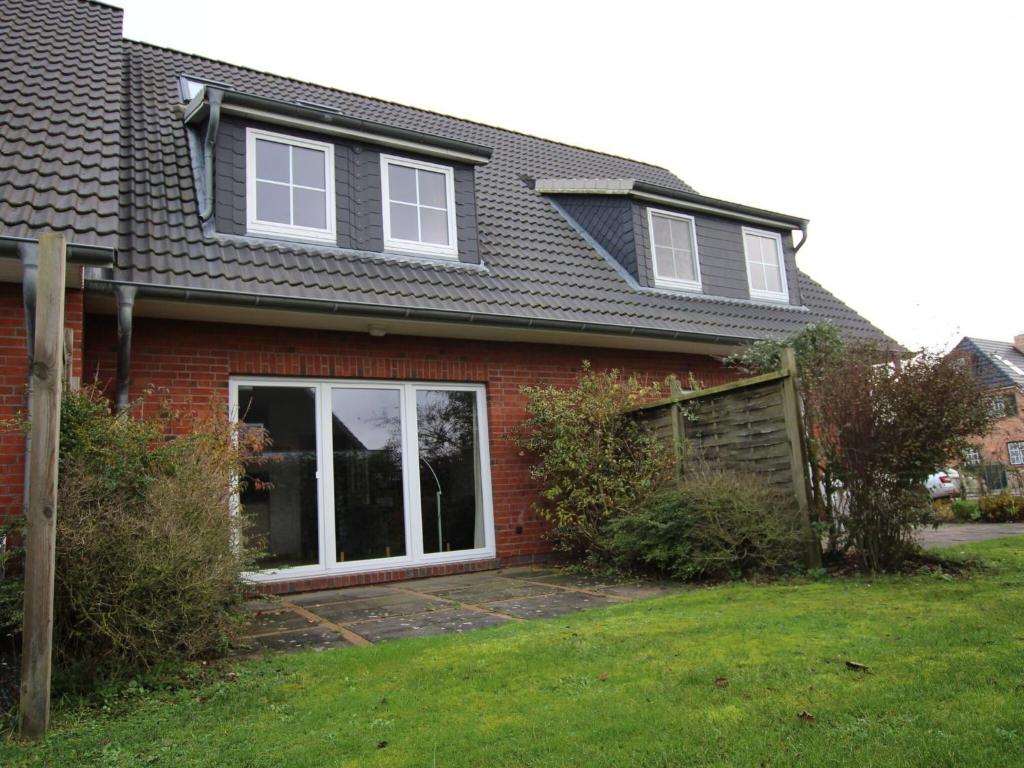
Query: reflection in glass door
x=451 y=509
x=280 y=495
x=369 y=488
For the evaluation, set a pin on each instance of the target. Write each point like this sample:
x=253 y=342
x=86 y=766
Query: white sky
x=896 y=128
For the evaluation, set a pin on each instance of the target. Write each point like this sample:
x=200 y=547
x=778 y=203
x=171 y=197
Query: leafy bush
x=594 y=462
x=942 y=511
x=965 y=511
x=715 y=524
x=1002 y=508
x=881 y=435
x=148 y=558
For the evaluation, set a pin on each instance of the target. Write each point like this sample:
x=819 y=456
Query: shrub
x=965 y=511
x=1002 y=508
x=881 y=436
x=715 y=524
x=593 y=461
x=148 y=558
x=942 y=511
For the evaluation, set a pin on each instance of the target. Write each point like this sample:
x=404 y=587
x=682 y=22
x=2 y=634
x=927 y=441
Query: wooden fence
x=752 y=425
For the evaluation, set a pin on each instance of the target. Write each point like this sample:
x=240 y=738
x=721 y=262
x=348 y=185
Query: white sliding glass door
x=366 y=475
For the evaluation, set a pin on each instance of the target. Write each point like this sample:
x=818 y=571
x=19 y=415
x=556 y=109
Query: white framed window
x=766 y=267
x=419 y=206
x=289 y=187
x=972 y=456
x=364 y=475
x=1016 y=452
x=674 y=249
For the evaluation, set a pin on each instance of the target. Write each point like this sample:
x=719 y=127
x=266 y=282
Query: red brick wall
x=13 y=379
x=191 y=363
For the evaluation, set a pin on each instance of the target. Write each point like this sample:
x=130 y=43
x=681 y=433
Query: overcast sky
x=896 y=128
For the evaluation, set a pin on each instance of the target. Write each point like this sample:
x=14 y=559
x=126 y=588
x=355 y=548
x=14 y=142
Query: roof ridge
x=407 y=106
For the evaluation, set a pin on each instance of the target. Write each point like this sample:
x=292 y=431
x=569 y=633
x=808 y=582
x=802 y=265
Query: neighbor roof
x=536 y=267
x=1003 y=363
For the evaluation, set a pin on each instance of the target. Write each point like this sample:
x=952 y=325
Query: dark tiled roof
x=536 y=266
x=997 y=363
x=60 y=96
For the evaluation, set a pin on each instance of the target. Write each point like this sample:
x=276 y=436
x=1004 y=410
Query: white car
x=943 y=484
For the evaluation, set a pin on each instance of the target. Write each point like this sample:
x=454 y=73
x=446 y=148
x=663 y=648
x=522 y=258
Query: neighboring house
x=999 y=365
x=372 y=283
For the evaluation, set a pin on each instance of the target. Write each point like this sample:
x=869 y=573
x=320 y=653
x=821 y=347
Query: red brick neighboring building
x=371 y=283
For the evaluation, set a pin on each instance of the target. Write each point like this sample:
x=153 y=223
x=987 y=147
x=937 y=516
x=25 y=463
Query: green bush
x=715 y=524
x=1002 y=508
x=148 y=558
x=594 y=461
x=966 y=511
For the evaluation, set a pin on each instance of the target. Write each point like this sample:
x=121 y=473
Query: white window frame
x=414 y=555
x=671 y=282
x=1019 y=446
x=782 y=296
x=276 y=229
x=399 y=245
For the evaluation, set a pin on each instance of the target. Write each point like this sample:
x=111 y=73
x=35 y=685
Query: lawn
x=631 y=685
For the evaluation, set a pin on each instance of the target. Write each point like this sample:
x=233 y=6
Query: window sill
x=311 y=236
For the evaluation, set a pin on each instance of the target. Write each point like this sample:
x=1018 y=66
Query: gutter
x=327 y=306
x=327 y=120
x=77 y=253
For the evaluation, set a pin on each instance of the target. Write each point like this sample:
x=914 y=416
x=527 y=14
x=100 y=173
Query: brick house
x=372 y=283
x=999 y=365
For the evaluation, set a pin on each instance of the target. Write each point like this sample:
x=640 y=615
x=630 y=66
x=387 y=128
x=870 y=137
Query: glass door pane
x=369 y=493
x=280 y=495
x=451 y=504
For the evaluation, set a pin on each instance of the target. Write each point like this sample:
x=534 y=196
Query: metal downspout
x=803 y=239
x=28 y=252
x=212 y=125
x=125 y=306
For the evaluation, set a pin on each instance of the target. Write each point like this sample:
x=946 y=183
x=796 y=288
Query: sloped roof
x=60 y=95
x=536 y=266
x=998 y=363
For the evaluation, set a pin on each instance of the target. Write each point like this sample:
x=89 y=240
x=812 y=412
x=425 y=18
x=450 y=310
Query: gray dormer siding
x=610 y=221
x=358 y=204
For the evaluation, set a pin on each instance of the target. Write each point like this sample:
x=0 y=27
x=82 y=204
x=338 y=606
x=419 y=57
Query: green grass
x=631 y=685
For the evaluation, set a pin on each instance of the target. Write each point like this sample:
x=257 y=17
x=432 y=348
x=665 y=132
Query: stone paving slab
x=316 y=638
x=479 y=593
x=280 y=620
x=548 y=606
x=327 y=596
x=458 y=581
x=378 y=607
x=425 y=624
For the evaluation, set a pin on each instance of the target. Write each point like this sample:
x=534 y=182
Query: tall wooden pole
x=798 y=457
x=41 y=522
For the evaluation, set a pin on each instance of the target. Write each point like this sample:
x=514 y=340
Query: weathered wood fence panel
x=751 y=426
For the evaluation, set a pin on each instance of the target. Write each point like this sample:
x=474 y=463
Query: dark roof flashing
x=654 y=193
x=324 y=119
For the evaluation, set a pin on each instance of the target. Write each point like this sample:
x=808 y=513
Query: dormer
x=680 y=242
x=307 y=174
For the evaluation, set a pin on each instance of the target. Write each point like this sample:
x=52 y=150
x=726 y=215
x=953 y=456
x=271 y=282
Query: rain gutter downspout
x=212 y=125
x=125 y=305
x=803 y=238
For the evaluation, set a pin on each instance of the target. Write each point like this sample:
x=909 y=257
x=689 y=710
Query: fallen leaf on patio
x=381 y=744
x=721 y=682
x=603 y=676
x=857 y=666
x=806 y=716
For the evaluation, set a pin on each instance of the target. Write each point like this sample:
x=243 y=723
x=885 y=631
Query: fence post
x=41 y=514
x=798 y=455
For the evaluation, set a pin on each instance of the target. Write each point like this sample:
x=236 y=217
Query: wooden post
x=41 y=522
x=798 y=455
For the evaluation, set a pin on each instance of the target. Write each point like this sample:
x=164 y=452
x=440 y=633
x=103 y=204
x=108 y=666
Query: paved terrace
x=364 y=615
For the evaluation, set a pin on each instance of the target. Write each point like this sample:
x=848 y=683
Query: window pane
x=310 y=208
x=662 y=234
x=769 y=251
x=773 y=279
x=403 y=222
x=369 y=500
x=752 y=245
x=308 y=167
x=402 y=183
x=451 y=504
x=280 y=494
x=757 y=279
x=434 y=226
x=665 y=262
x=272 y=203
x=684 y=265
x=271 y=161
x=433 y=189
x=681 y=235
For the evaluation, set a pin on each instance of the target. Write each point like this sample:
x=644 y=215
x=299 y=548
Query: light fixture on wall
x=376 y=331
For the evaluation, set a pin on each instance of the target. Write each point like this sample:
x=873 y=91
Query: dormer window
x=289 y=187
x=419 y=210
x=766 y=272
x=674 y=245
